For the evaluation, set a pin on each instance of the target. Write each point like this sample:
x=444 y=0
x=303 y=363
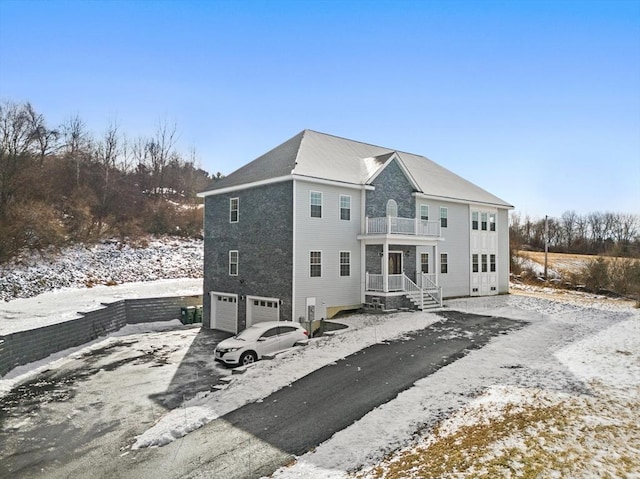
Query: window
x=233 y=263
x=492 y=221
x=315 y=264
x=345 y=263
x=484 y=263
x=286 y=329
x=444 y=263
x=270 y=333
x=234 y=206
x=492 y=263
x=474 y=220
x=345 y=207
x=443 y=217
x=392 y=208
x=315 y=201
x=424 y=212
x=474 y=263
x=483 y=221
x=424 y=262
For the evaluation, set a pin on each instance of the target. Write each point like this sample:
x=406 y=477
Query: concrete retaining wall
x=27 y=346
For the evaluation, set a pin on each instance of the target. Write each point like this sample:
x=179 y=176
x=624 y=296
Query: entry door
x=395 y=262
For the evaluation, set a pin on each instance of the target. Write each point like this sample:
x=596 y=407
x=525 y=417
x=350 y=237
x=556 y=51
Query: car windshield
x=247 y=334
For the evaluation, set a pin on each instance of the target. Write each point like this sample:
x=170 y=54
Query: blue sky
x=537 y=102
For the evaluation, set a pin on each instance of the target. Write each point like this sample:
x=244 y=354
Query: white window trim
x=440 y=262
x=477 y=215
x=340 y=207
x=310 y=264
x=237 y=262
x=445 y=210
x=340 y=264
x=311 y=192
x=427 y=263
x=420 y=211
x=231 y=220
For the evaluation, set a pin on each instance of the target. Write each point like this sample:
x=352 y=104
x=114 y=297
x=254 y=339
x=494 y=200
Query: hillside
x=109 y=263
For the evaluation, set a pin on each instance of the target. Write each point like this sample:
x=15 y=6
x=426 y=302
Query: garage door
x=262 y=309
x=224 y=312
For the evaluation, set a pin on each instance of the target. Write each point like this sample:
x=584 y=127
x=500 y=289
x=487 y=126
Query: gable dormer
x=392 y=181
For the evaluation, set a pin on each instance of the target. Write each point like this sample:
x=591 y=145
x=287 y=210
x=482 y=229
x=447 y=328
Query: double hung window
x=315 y=264
x=424 y=212
x=315 y=204
x=345 y=207
x=444 y=263
x=233 y=263
x=424 y=262
x=443 y=216
x=345 y=263
x=234 y=208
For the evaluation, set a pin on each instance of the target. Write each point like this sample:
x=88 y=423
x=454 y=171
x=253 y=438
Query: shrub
x=596 y=275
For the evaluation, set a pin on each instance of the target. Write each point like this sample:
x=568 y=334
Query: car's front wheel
x=248 y=358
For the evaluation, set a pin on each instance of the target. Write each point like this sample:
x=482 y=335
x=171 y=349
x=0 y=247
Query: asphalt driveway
x=256 y=439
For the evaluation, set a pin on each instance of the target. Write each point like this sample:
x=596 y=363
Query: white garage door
x=262 y=309
x=224 y=312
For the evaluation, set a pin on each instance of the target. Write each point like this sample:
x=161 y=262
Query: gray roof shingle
x=328 y=157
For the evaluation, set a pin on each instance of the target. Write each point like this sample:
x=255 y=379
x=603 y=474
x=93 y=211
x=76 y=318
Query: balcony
x=392 y=225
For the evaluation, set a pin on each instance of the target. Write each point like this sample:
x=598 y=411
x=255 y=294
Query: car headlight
x=227 y=350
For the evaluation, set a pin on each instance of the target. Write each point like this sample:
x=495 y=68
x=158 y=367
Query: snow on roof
x=319 y=155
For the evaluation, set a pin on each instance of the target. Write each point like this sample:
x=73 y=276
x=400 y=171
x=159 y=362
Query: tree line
x=614 y=234
x=62 y=184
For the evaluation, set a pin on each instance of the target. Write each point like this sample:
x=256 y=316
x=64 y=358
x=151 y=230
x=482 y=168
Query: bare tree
x=17 y=141
x=159 y=151
x=568 y=223
x=76 y=143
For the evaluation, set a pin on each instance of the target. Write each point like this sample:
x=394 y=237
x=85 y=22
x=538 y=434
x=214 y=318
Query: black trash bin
x=186 y=315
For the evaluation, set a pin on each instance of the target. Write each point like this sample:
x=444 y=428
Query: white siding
x=502 y=227
x=330 y=235
x=455 y=244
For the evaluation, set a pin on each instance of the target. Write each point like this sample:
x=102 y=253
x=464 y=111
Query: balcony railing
x=402 y=226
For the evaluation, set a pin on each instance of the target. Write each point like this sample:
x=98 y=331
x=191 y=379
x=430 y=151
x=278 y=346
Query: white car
x=260 y=339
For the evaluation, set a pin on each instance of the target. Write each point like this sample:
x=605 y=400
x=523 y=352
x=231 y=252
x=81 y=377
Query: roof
x=327 y=157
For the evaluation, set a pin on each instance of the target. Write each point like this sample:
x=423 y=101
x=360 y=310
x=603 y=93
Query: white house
x=322 y=224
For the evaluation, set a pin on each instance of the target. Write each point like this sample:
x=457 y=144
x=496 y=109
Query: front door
x=395 y=271
x=395 y=262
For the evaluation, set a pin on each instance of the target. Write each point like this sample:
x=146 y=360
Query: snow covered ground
x=107 y=263
x=559 y=398
x=562 y=394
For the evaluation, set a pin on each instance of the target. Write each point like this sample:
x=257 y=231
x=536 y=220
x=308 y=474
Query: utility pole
x=546 y=244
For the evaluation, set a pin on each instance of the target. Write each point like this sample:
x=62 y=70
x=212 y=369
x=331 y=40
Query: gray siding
x=391 y=184
x=263 y=237
x=330 y=235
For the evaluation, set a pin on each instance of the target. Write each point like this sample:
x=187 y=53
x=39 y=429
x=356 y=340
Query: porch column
x=385 y=266
x=437 y=264
x=363 y=272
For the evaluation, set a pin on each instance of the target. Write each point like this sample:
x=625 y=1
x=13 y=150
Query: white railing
x=426 y=285
x=375 y=282
x=402 y=226
x=427 y=280
x=396 y=282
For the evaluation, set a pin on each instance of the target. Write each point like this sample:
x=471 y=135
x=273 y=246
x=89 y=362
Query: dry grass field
x=560 y=262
